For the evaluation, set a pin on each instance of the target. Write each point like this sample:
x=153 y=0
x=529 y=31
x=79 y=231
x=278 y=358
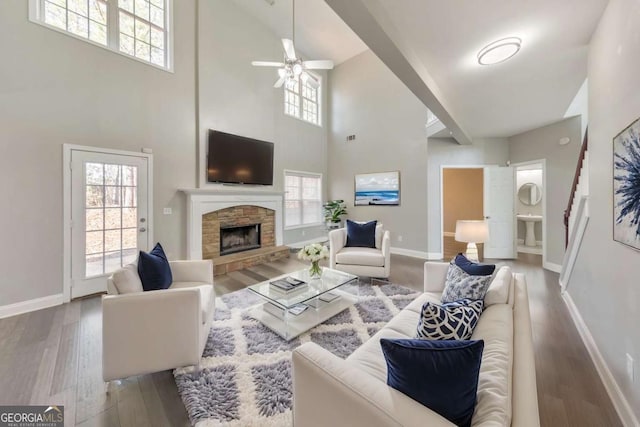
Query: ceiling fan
x=294 y=68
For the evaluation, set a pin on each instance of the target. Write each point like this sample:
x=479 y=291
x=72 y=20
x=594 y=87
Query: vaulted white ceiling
x=530 y=90
x=320 y=33
x=533 y=88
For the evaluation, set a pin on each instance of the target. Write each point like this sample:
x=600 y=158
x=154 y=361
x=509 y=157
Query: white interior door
x=499 y=213
x=109 y=222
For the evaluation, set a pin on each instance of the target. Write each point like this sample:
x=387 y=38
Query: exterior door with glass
x=109 y=221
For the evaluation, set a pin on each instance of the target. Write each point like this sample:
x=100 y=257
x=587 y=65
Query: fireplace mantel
x=201 y=201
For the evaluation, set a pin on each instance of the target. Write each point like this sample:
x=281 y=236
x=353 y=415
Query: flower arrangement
x=314 y=253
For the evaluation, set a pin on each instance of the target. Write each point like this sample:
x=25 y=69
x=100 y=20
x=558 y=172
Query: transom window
x=302 y=100
x=136 y=28
x=303 y=198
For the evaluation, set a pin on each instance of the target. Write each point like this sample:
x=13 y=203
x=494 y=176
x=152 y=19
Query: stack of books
x=288 y=285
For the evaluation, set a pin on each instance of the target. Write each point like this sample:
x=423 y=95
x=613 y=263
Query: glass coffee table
x=293 y=314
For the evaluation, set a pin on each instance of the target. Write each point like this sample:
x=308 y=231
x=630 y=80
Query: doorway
x=530 y=207
x=484 y=192
x=462 y=199
x=107 y=195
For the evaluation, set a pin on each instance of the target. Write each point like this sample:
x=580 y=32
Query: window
x=302 y=100
x=136 y=28
x=303 y=199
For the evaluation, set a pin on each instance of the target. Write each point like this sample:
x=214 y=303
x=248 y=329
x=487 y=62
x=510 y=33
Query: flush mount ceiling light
x=499 y=51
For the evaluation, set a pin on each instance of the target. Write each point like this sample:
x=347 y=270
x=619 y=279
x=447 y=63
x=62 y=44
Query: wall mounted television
x=234 y=159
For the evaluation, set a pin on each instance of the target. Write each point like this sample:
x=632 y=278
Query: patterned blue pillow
x=450 y=321
x=460 y=285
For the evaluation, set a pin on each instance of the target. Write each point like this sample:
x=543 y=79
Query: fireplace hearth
x=239 y=239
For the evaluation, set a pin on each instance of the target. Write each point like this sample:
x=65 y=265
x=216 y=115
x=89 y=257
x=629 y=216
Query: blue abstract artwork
x=626 y=186
x=377 y=189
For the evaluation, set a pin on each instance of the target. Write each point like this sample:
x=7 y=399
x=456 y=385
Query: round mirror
x=530 y=194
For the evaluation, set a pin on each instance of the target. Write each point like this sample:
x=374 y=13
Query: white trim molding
x=556 y=268
x=30 y=305
x=300 y=245
x=620 y=402
x=409 y=252
x=202 y=201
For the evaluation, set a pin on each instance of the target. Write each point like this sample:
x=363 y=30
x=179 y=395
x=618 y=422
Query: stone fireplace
x=256 y=216
x=233 y=223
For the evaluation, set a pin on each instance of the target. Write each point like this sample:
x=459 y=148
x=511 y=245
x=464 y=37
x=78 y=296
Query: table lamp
x=472 y=232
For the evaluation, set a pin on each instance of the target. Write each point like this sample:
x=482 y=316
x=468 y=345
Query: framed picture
x=626 y=186
x=377 y=189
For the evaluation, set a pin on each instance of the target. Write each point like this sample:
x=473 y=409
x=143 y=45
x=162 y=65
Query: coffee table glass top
x=330 y=280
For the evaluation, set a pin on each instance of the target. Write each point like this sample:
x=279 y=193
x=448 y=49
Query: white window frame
x=302 y=174
x=299 y=116
x=36 y=15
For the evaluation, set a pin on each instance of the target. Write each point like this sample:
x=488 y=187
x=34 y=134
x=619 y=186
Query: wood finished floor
x=53 y=356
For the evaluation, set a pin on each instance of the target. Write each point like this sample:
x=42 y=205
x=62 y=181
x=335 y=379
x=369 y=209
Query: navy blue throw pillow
x=154 y=269
x=442 y=375
x=361 y=235
x=473 y=268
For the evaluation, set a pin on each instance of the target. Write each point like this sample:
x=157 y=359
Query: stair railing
x=572 y=195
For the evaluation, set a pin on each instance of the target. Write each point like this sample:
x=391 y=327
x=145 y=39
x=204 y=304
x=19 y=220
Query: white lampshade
x=472 y=231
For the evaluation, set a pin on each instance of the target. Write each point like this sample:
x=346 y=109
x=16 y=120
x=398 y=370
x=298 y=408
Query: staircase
x=576 y=216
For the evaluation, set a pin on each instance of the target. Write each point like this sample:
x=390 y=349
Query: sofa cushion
x=126 y=279
x=360 y=256
x=449 y=321
x=473 y=268
x=154 y=269
x=369 y=358
x=460 y=285
x=416 y=304
x=498 y=292
x=442 y=375
x=361 y=235
x=495 y=327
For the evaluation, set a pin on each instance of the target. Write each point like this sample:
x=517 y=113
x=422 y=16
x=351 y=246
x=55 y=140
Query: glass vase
x=315 y=271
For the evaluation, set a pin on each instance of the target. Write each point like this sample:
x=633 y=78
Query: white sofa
x=144 y=332
x=368 y=262
x=332 y=391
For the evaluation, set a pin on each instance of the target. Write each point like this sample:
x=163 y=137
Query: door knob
x=143 y=219
x=142 y=229
x=487 y=217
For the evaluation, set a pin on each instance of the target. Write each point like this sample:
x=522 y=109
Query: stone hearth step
x=238 y=261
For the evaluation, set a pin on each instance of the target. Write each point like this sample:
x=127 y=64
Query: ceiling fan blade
x=321 y=64
x=289 y=50
x=310 y=80
x=267 y=64
x=280 y=82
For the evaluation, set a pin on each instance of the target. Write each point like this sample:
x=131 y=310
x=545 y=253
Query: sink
x=530 y=220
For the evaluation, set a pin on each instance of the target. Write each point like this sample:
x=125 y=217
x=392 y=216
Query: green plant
x=334 y=209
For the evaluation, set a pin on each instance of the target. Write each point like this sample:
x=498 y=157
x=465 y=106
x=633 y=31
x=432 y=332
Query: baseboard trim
x=299 y=245
x=625 y=412
x=410 y=252
x=30 y=305
x=556 y=268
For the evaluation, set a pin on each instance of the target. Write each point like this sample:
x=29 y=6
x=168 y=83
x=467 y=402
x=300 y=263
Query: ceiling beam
x=370 y=22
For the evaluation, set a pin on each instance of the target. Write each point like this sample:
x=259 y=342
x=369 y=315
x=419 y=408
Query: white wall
x=604 y=285
x=56 y=89
x=523 y=177
x=237 y=98
x=446 y=152
x=561 y=160
x=369 y=101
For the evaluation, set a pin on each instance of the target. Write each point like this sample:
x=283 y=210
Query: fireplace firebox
x=239 y=239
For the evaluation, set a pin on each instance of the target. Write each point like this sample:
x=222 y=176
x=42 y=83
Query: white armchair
x=144 y=332
x=368 y=262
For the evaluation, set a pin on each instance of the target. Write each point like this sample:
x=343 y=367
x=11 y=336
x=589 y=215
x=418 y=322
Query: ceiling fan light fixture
x=499 y=51
x=297 y=69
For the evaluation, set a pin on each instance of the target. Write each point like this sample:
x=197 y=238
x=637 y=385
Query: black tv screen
x=238 y=160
